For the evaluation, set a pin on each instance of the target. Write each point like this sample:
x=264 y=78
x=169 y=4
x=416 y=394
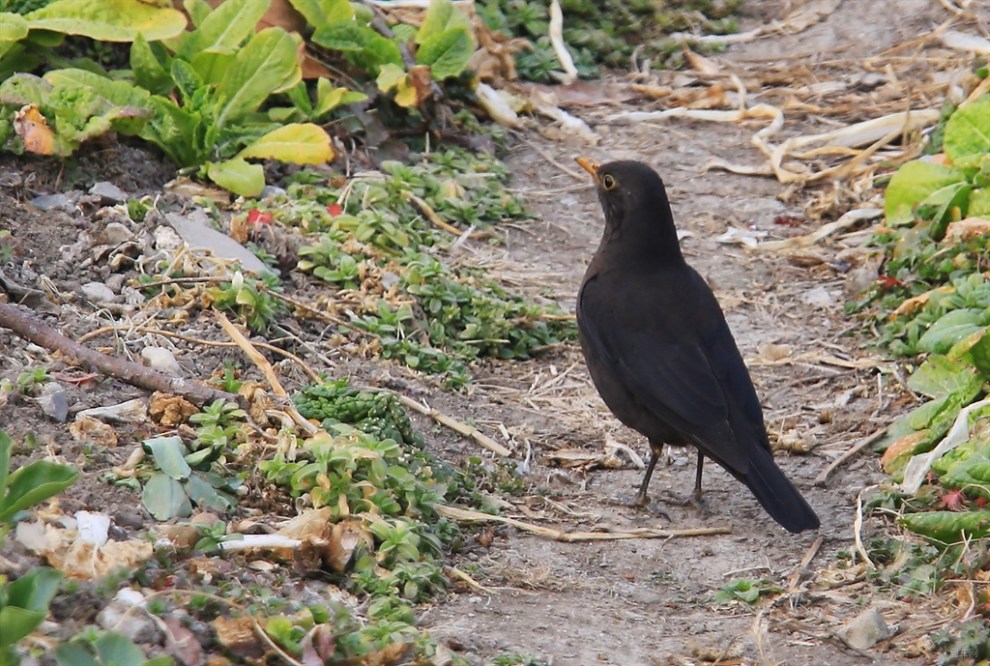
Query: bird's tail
x=778 y=495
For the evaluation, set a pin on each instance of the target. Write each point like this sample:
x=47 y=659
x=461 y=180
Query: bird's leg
x=696 y=496
x=655 y=452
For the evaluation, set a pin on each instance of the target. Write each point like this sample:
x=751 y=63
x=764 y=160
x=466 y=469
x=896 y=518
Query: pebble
x=162 y=360
x=54 y=402
x=108 y=191
x=865 y=630
x=97 y=292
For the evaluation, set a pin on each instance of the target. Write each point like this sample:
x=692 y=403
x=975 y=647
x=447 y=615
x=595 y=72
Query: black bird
x=660 y=352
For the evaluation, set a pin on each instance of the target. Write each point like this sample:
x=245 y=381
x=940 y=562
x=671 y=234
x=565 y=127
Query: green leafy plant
x=184 y=478
x=197 y=95
x=604 y=32
x=106 y=648
x=24 y=605
x=28 y=485
x=31 y=380
x=376 y=413
x=249 y=297
x=747 y=590
x=24 y=602
x=31 y=29
x=428 y=316
x=929 y=194
x=443 y=43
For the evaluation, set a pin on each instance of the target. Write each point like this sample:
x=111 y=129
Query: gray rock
x=161 y=360
x=115 y=234
x=97 y=292
x=132 y=622
x=865 y=630
x=59 y=201
x=108 y=191
x=54 y=402
x=199 y=236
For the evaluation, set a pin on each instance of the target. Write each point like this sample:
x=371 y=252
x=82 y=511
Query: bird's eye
x=608 y=182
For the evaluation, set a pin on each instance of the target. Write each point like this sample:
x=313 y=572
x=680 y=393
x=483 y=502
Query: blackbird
x=660 y=352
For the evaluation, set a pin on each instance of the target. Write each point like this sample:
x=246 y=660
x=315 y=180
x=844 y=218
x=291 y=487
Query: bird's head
x=634 y=201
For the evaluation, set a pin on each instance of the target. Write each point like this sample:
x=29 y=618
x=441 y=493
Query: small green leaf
x=967 y=133
x=238 y=176
x=149 y=72
x=268 y=64
x=165 y=498
x=950 y=329
x=32 y=484
x=361 y=44
x=13 y=27
x=296 y=143
x=169 y=454
x=979 y=352
x=912 y=184
x=224 y=29
x=389 y=77
x=74 y=653
x=938 y=377
x=948 y=527
x=114 y=648
x=320 y=12
x=979 y=203
x=17 y=623
x=447 y=55
x=6 y=446
x=440 y=17
x=34 y=590
x=108 y=20
x=198 y=10
x=329 y=98
x=202 y=492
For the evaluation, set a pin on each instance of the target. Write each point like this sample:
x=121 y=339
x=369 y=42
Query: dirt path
x=650 y=601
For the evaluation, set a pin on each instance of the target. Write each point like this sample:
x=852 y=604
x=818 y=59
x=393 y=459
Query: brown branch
x=34 y=330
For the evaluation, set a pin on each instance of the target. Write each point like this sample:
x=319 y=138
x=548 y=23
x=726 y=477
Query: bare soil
x=631 y=602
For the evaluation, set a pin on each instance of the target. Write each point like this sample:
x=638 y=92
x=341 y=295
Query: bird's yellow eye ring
x=608 y=182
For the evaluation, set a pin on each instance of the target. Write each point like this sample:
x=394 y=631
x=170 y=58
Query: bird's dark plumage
x=660 y=352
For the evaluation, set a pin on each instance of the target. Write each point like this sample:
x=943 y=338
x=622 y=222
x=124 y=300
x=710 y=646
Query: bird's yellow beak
x=590 y=165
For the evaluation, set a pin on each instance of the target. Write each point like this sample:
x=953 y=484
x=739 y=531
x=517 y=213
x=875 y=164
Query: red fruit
x=335 y=209
x=255 y=216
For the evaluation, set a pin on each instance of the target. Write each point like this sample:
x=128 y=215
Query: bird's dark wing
x=672 y=375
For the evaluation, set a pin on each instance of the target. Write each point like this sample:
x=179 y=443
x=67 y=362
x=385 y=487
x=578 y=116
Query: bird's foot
x=694 y=499
x=642 y=501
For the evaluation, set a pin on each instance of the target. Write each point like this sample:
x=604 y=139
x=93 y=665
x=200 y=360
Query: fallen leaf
x=33 y=129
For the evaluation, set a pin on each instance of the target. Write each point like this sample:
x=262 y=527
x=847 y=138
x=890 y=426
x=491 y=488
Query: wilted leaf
x=296 y=143
x=32 y=127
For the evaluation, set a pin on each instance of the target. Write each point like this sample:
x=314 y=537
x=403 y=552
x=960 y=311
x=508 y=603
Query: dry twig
x=469 y=515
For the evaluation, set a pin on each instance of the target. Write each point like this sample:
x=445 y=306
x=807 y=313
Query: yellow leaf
x=33 y=129
x=299 y=143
